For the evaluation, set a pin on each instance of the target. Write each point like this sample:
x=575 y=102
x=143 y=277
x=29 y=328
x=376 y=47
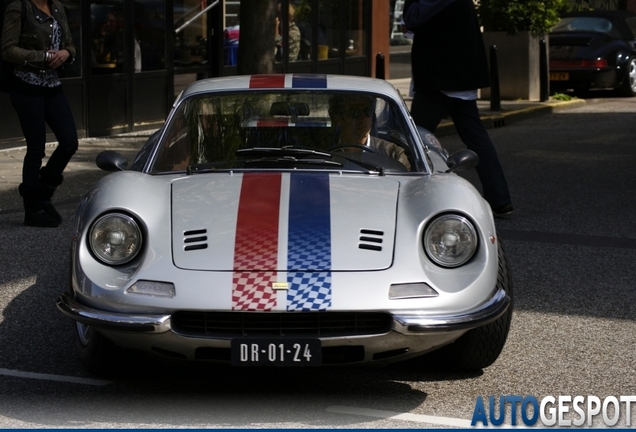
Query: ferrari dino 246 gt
x=288 y=220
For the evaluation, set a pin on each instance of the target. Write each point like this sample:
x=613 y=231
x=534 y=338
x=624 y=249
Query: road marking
x=50 y=377
x=419 y=418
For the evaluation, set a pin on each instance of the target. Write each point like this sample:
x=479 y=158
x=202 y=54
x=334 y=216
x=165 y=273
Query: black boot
x=34 y=213
x=48 y=185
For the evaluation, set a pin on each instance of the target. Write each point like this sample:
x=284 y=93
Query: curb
x=492 y=121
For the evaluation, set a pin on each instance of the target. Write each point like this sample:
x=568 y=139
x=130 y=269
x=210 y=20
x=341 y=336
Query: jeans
x=35 y=112
x=430 y=107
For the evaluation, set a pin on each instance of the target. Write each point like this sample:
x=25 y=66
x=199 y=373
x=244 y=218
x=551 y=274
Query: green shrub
x=513 y=16
x=562 y=97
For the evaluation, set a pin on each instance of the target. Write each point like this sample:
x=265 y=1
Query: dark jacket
x=448 y=50
x=25 y=47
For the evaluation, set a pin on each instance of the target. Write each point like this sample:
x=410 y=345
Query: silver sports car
x=288 y=220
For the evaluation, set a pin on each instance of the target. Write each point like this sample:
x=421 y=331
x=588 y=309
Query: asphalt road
x=572 y=248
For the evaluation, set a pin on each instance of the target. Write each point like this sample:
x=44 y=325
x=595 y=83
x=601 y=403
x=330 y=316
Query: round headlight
x=115 y=238
x=450 y=240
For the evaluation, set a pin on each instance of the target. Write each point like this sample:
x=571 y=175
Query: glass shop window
x=107 y=37
x=328 y=31
x=190 y=33
x=73 y=10
x=355 y=28
x=150 y=35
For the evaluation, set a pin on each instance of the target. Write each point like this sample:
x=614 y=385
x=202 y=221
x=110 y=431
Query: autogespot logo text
x=561 y=411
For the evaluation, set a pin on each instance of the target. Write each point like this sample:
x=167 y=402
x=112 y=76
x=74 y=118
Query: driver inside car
x=352 y=119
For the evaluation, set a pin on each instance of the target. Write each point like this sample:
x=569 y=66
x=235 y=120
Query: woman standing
x=38 y=43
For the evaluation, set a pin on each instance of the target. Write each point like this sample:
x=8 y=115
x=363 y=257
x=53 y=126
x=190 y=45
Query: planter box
x=518 y=59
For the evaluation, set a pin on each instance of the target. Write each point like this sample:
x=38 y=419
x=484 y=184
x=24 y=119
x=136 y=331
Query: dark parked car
x=594 y=49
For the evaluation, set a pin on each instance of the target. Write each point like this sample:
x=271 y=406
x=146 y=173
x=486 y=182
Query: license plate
x=559 y=76
x=276 y=352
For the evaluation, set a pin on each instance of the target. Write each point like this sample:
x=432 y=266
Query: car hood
x=283 y=222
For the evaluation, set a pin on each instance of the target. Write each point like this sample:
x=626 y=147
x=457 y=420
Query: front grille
x=307 y=324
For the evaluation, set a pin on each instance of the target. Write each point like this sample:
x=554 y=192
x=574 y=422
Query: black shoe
x=503 y=211
x=47 y=205
x=40 y=218
x=48 y=185
x=35 y=213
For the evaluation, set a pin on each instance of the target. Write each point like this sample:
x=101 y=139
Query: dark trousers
x=429 y=108
x=35 y=112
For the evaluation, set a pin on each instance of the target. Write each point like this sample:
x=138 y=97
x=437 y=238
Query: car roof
x=610 y=14
x=617 y=17
x=293 y=82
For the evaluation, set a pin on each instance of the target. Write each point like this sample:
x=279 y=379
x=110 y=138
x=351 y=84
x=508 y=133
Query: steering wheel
x=352 y=145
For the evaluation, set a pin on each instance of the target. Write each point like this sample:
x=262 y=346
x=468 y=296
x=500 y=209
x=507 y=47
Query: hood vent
x=371 y=240
x=195 y=240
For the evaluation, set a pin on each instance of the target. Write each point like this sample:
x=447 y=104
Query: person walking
x=38 y=48
x=449 y=65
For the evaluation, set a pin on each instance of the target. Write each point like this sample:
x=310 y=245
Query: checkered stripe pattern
x=256 y=243
x=311 y=249
x=309 y=291
x=309 y=243
x=252 y=290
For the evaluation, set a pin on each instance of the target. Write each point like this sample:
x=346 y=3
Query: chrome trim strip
x=481 y=315
x=404 y=324
x=112 y=320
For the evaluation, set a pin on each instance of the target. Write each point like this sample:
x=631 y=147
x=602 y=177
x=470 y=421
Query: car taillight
x=564 y=64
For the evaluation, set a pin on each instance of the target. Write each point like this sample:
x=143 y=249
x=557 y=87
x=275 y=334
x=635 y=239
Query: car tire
x=480 y=347
x=96 y=353
x=628 y=87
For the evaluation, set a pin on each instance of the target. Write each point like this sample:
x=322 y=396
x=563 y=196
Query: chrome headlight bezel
x=450 y=240
x=119 y=230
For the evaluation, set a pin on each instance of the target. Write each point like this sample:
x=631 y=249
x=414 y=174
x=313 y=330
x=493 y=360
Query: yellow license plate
x=559 y=76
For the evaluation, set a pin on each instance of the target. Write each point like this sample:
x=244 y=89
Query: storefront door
x=127 y=87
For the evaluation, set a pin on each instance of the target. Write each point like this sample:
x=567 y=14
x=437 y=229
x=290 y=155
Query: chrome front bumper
x=407 y=324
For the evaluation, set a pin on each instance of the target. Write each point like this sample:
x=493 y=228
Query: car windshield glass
x=286 y=130
x=586 y=24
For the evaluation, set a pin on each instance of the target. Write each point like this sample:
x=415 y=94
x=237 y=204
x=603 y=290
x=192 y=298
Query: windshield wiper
x=367 y=165
x=284 y=151
x=290 y=160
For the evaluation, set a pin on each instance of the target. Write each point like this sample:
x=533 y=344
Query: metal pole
x=187 y=23
x=495 y=98
x=544 y=71
x=379 y=66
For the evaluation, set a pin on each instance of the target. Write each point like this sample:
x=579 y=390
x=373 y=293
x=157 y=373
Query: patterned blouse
x=49 y=78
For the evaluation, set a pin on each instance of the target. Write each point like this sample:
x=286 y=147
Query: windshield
x=280 y=130
x=586 y=24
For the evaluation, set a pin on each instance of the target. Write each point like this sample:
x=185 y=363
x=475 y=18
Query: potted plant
x=514 y=16
x=515 y=28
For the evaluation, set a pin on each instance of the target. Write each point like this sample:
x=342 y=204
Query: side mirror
x=462 y=160
x=110 y=160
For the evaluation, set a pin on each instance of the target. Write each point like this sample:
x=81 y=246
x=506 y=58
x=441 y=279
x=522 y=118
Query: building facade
x=135 y=56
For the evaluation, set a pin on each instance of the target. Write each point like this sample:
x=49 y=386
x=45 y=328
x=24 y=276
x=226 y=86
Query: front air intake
x=195 y=240
x=310 y=324
x=371 y=240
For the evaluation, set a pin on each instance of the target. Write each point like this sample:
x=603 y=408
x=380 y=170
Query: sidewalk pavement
x=510 y=112
x=82 y=172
